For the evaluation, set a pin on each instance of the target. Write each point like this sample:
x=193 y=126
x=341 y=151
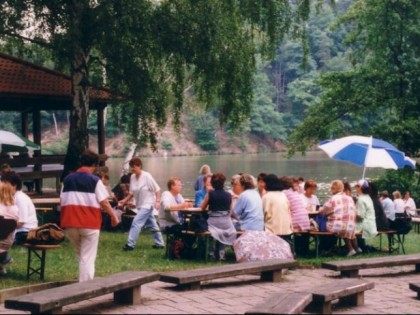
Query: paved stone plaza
x=236 y=295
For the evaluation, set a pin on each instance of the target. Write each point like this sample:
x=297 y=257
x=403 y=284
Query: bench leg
x=130 y=296
x=273 y=276
x=40 y=258
x=326 y=308
x=417 y=267
x=350 y=273
x=190 y=286
x=356 y=299
x=57 y=310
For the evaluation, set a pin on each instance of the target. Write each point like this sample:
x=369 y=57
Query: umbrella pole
x=364 y=171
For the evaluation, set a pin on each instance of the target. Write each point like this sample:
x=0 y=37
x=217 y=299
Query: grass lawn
x=61 y=264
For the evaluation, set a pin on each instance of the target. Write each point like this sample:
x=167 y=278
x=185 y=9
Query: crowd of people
x=283 y=206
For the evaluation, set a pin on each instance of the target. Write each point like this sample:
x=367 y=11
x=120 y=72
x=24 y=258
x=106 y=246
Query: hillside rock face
x=170 y=143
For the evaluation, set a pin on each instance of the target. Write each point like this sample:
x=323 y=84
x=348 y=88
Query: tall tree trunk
x=79 y=58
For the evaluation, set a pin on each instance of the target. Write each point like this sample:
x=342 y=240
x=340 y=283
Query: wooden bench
x=270 y=270
x=415 y=222
x=126 y=287
x=36 y=256
x=283 y=303
x=350 y=268
x=415 y=287
x=347 y=291
x=395 y=240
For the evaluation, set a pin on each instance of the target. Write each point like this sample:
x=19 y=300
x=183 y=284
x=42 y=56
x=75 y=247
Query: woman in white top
x=398 y=202
x=26 y=209
x=309 y=198
x=409 y=204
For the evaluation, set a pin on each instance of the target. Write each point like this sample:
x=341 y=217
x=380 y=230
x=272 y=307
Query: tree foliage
x=380 y=95
x=152 y=51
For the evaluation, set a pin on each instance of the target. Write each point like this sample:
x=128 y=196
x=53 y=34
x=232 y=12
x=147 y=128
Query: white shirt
x=166 y=216
x=144 y=190
x=410 y=206
x=399 y=205
x=26 y=211
x=310 y=203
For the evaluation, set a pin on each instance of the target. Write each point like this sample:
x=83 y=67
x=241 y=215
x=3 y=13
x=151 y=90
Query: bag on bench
x=47 y=234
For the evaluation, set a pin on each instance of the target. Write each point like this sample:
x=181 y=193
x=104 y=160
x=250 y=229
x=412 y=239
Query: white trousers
x=85 y=244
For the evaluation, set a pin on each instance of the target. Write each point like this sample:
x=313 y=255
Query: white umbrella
x=11 y=142
x=366 y=152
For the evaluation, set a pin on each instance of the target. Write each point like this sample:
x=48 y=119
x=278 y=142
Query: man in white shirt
x=27 y=212
x=388 y=206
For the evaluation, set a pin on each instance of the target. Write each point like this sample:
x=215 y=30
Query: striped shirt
x=80 y=200
x=300 y=217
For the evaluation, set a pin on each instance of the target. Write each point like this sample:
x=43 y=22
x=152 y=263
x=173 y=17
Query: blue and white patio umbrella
x=366 y=152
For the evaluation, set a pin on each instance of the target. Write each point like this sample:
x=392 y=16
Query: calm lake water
x=315 y=165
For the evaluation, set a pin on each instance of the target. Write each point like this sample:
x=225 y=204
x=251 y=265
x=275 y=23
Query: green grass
x=62 y=265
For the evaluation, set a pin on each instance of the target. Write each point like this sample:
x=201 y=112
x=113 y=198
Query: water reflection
x=315 y=165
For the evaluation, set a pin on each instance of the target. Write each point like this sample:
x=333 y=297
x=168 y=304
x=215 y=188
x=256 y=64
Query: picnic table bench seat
x=270 y=270
x=350 y=268
x=126 y=287
x=347 y=291
x=415 y=287
x=283 y=303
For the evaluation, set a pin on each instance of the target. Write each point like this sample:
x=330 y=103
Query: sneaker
x=158 y=246
x=351 y=253
x=127 y=248
x=8 y=260
x=359 y=250
x=3 y=270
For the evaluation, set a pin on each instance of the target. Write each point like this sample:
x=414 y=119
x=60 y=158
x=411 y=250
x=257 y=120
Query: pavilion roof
x=21 y=79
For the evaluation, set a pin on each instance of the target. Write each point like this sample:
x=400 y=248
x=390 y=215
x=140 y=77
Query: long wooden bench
x=269 y=270
x=283 y=303
x=415 y=287
x=347 y=291
x=395 y=240
x=350 y=268
x=126 y=287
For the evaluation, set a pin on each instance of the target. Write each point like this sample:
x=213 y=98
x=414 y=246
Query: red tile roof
x=22 y=78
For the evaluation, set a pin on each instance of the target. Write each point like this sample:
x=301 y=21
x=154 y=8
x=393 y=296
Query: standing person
x=9 y=211
x=26 y=210
x=277 y=216
x=146 y=192
x=365 y=215
x=205 y=169
x=248 y=209
x=81 y=199
x=218 y=203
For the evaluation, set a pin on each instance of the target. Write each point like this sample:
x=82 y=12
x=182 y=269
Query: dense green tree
x=380 y=96
x=149 y=47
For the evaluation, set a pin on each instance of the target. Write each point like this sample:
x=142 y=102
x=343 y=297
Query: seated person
x=27 y=218
x=8 y=211
x=170 y=202
x=201 y=194
x=121 y=191
x=248 y=209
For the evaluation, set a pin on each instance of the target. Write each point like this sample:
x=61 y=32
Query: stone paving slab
x=235 y=295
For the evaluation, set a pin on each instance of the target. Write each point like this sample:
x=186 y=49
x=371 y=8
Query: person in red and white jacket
x=82 y=197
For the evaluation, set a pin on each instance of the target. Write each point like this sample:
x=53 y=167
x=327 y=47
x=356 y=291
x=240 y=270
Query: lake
x=315 y=165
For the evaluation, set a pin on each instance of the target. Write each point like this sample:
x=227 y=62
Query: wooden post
x=36 y=117
x=24 y=124
x=101 y=132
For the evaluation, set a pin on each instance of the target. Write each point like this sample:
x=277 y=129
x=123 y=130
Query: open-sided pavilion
x=28 y=88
